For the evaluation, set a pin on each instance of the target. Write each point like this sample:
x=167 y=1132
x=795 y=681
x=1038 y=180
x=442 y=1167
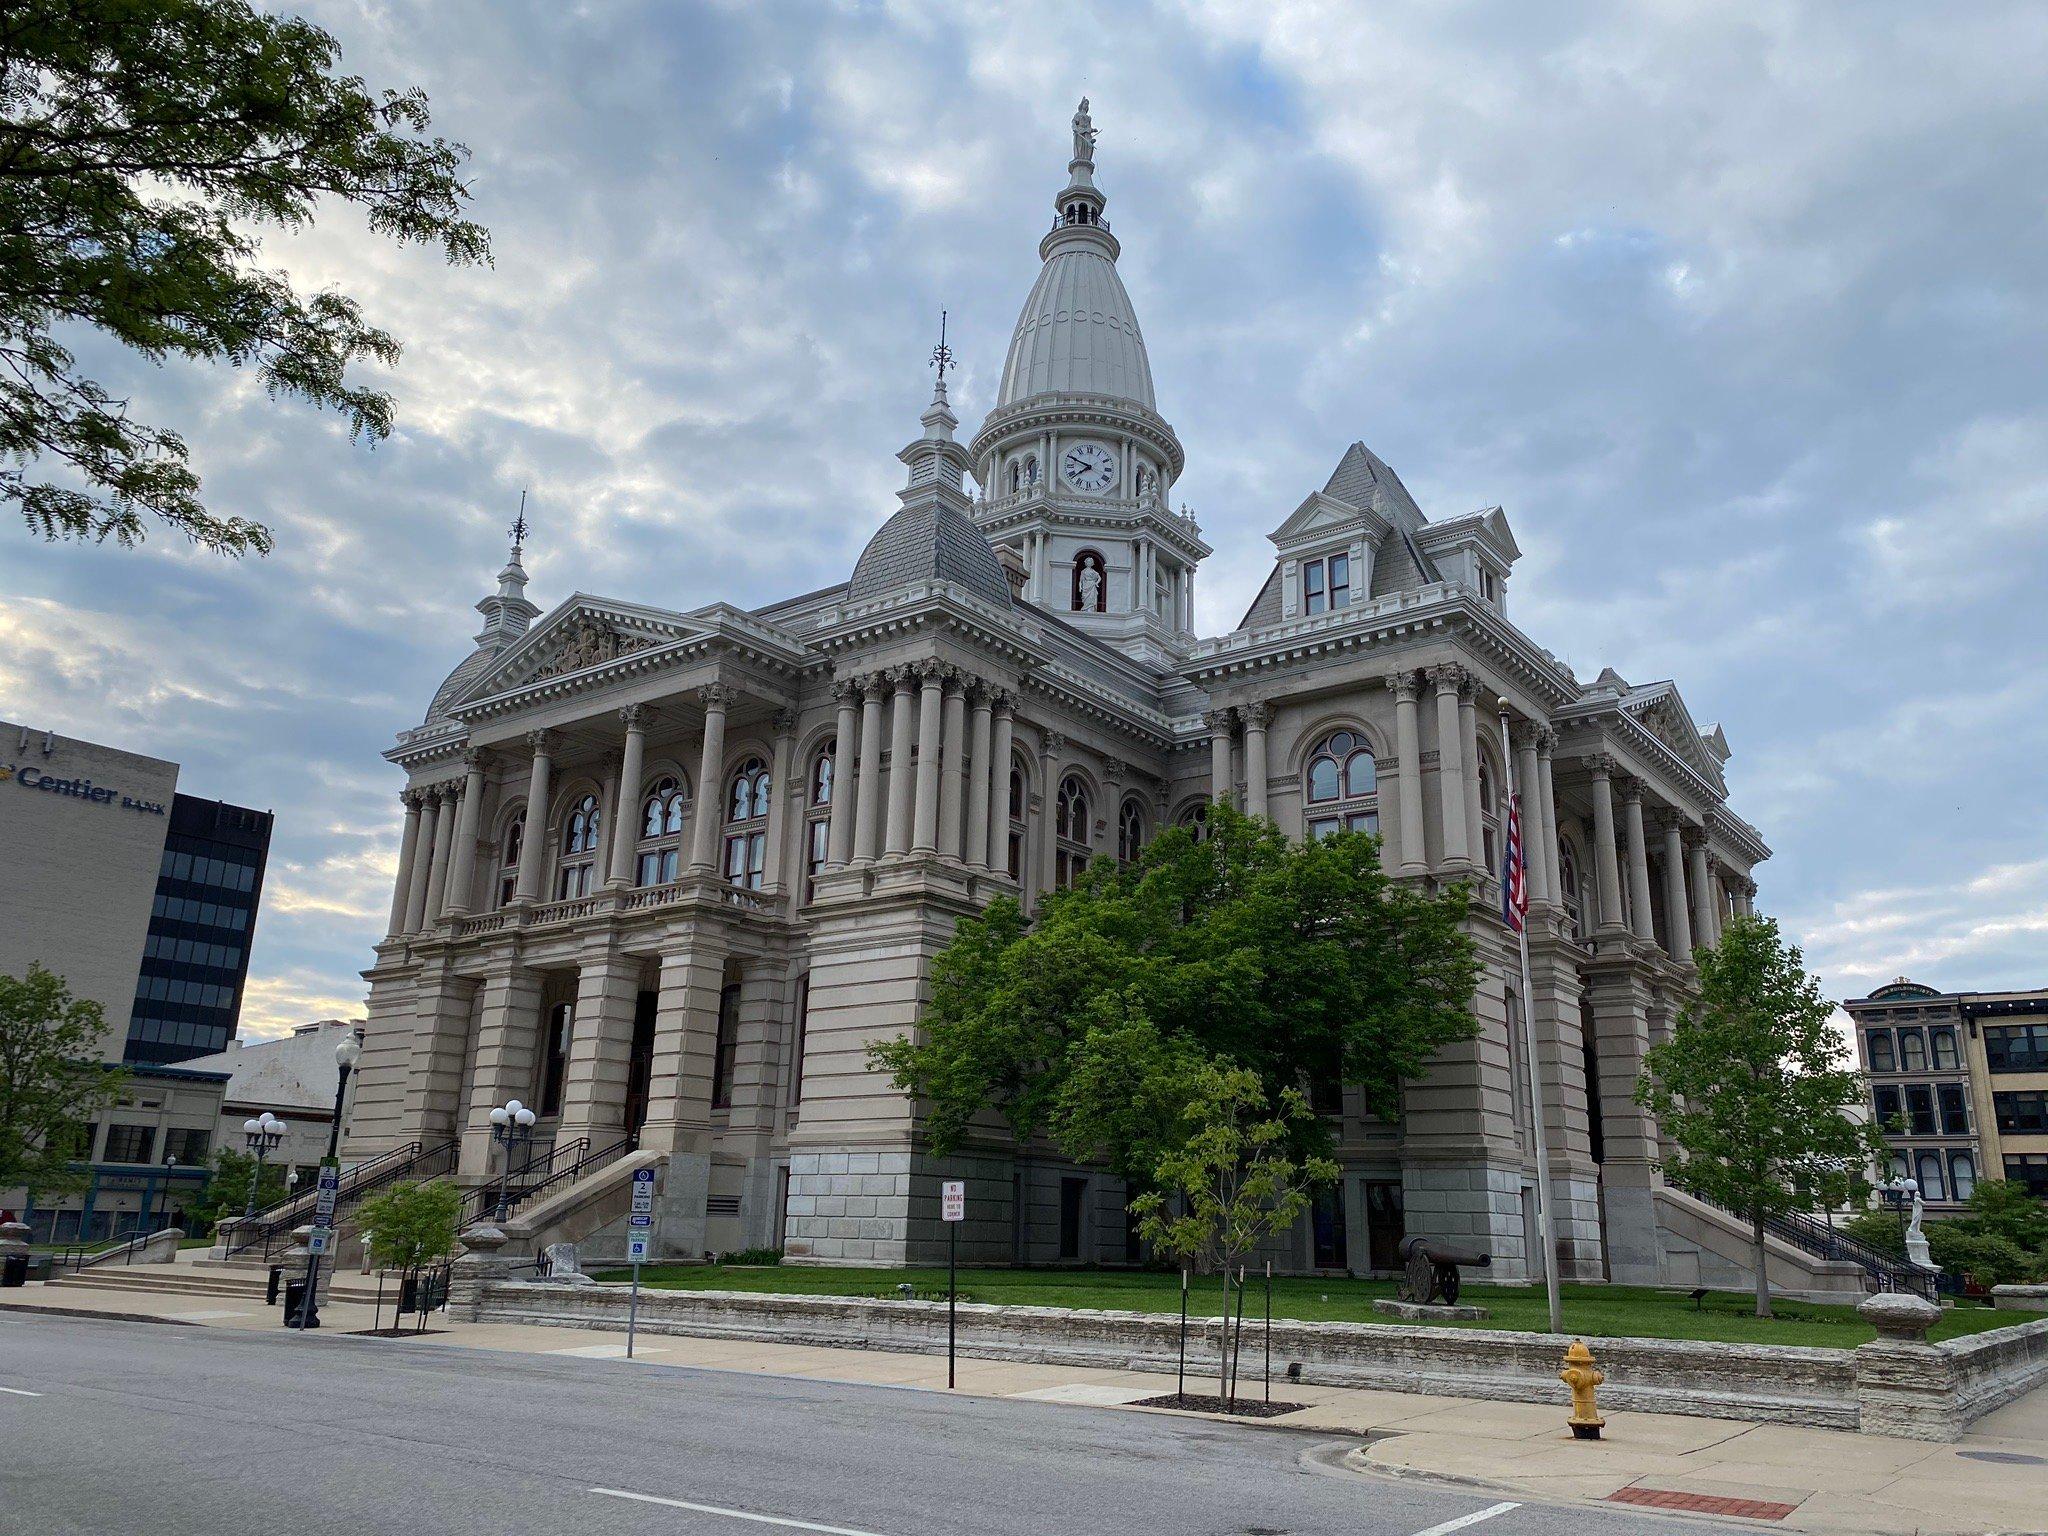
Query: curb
x=38 y=1310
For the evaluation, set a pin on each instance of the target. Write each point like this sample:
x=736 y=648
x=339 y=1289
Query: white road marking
x=605 y=1351
x=17 y=1392
x=1088 y=1395
x=1462 y=1521
x=741 y=1514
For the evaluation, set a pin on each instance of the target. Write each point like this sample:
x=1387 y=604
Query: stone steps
x=164 y=1279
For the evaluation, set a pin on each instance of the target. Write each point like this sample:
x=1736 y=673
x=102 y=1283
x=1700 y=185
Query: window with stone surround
x=1130 y=832
x=1962 y=1174
x=1071 y=831
x=1572 y=889
x=818 y=815
x=581 y=830
x=1878 y=1044
x=746 y=823
x=658 y=853
x=1341 y=783
x=508 y=858
x=725 y=1050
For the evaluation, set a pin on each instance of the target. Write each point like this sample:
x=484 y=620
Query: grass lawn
x=1594 y=1310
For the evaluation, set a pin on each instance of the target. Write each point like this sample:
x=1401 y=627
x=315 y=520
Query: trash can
x=276 y=1279
x=294 y=1304
x=14 y=1271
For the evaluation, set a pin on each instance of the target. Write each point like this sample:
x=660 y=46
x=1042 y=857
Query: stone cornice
x=1102 y=411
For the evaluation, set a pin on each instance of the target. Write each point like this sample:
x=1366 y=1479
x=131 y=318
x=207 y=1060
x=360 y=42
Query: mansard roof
x=926 y=542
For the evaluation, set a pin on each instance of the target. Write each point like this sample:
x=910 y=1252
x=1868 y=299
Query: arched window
x=1090 y=582
x=1912 y=1051
x=1489 y=815
x=1572 y=891
x=746 y=824
x=818 y=816
x=1020 y=807
x=1933 y=1184
x=1944 y=1041
x=660 y=851
x=1343 y=786
x=1962 y=1174
x=1070 y=831
x=1130 y=832
x=581 y=829
x=1016 y=475
x=509 y=849
x=1030 y=470
x=1196 y=819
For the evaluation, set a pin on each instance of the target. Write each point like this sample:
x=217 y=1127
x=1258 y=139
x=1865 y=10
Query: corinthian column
x=1408 y=775
x=1468 y=756
x=1218 y=721
x=924 y=836
x=1546 y=802
x=462 y=872
x=533 y=846
x=1450 y=765
x=867 y=820
x=1049 y=826
x=1605 y=857
x=408 y=848
x=1702 y=890
x=1004 y=705
x=1528 y=788
x=717 y=699
x=953 y=765
x=1256 y=718
x=626 y=816
x=781 y=785
x=1677 y=921
x=423 y=860
x=839 y=829
x=976 y=766
x=444 y=840
x=1645 y=924
x=902 y=775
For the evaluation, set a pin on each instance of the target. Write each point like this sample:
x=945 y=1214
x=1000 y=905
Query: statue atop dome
x=1084 y=134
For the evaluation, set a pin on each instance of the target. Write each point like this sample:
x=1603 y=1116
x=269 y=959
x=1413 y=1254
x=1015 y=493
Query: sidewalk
x=1993 y=1480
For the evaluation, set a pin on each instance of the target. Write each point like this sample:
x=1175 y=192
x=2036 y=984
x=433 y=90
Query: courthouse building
x=668 y=870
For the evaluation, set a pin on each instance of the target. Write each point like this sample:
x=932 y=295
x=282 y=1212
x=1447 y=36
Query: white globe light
x=278 y=1127
x=499 y=1117
x=349 y=1049
x=513 y=1106
x=253 y=1127
x=525 y=1117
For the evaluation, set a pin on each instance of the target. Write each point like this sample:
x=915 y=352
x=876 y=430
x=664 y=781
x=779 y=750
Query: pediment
x=1321 y=514
x=1660 y=711
x=584 y=634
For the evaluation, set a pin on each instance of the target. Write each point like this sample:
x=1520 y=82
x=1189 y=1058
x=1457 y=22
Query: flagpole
x=1544 y=1227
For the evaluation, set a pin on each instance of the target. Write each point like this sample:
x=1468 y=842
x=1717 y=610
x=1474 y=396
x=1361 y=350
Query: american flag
x=1514 y=875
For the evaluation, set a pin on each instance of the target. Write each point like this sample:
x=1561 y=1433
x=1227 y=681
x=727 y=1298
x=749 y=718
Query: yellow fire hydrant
x=1582 y=1375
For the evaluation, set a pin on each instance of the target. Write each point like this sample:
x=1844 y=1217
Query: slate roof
x=928 y=543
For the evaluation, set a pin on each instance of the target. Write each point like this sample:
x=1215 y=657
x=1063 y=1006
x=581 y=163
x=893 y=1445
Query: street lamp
x=511 y=1126
x=1900 y=1193
x=164 y=1200
x=345 y=1056
x=262 y=1135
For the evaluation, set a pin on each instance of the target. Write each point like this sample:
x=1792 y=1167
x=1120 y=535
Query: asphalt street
x=111 y=1427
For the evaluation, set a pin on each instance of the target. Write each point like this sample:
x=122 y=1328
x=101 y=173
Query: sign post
x=640 y=1229
x=317 y=1239
x=953 y=1211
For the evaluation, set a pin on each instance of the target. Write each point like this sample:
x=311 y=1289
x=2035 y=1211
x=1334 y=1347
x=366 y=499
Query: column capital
x=412 y=798
x=1258 y=715
x=717 y=695
x=1054 y=743
x=474 y=758
x=1695 y=839
x=1631 y=789
x=1448 y=677
x=1115 y=770
x=846 y=690
x=633 y=716
x=903 y=678
x=1604 y=765
x=980 y=691
x=542 y=742
x=1219 y=720
x=1401 y=685
x=1526 y=735
x=784 y=721
x=876 y=686
x=1003 y=701
x=931 y=672
x=1546 y=740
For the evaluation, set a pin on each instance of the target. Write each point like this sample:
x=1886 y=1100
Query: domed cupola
x=1076 y=464
x=507 y=613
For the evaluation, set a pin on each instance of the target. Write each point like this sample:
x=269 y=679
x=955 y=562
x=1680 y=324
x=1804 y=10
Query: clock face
x=1088 y=467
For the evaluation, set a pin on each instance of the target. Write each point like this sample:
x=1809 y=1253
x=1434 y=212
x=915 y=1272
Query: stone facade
x=666 y=874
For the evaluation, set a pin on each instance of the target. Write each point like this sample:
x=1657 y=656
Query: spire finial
x=942 y=355
x=519 y=528
x=1084 y=135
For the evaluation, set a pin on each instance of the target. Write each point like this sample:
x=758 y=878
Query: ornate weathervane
x=519 y=528
x=942 y=355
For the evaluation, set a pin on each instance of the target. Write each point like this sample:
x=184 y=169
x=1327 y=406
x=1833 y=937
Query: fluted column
x=930 y=706
x=1607 y=874
x=717 y=699
x=1645 y=924
x=1546 y=801
x=1049 y=775
x=1528 y=789
x=1702 y=890
x=902 y=772
x=626 y=815
x=974 y=851
x=780 y=789
x=408 y=848
x=462 y=869
x=1410 y=845
x=1218 y=721
x=1256 y=718
x=1677 y=921
x=839 y=827
x=867 y=818
x=444 y=841
x=1468 y=760
x=533 y=849
x=1450 y=766
x=953 y=765
x=1001 y=747
x=423 y=859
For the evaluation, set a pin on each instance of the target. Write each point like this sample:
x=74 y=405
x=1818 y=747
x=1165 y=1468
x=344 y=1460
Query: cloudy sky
x=1741 y=312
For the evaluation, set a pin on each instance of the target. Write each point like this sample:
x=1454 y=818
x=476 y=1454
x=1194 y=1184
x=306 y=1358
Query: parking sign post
x=639 y=1229
x=953 y=1210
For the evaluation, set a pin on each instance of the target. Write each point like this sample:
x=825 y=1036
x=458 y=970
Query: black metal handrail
x=417 y=1159
x=583 y=1166
x=78 y=1256
x=1825 y=1242
x=515 y=1185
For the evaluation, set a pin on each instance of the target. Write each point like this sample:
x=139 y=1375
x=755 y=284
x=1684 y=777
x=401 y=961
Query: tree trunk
x=1756 y=1245
x=1223 y=1341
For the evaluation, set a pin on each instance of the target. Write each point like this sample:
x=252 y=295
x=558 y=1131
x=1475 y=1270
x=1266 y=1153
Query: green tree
x=1752 y=1086
x=410 y=1226
x=1231 y=1183
x=52 y=1081
x=1300 y=963
x=227 y=1191
x=2003 y=1209
x=144 y=147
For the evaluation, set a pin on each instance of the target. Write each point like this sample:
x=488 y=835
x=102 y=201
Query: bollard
x=1582 y=1375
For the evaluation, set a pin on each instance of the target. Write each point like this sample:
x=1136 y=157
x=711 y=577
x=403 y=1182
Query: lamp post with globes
x=511 y=1127
x=262 y=1135
x=345 y=1057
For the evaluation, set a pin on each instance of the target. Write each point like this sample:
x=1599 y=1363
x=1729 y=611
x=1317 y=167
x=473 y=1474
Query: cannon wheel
x=1448 y=1282
x=1416 y=1287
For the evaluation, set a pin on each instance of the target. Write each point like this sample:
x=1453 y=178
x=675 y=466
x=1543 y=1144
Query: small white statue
x=1084 y=132
x=1090 y=583
x=1916 y=1240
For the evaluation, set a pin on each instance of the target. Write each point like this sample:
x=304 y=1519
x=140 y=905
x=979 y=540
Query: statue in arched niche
x=1088 y=582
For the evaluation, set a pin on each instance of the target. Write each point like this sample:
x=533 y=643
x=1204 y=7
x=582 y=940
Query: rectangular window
x=2030 y=1171
x=1073 y=1197
x=803 y=1029
x=658 y=866
x=188 y=1146
x=814 y=857
x=745 y=855
x=2016 y=1047
x=1340 y=580
x=130 y=1143
x=555 y=1068
x=2022 y=1113
x=726 y=1050
x=1955 y=1113
x=1919 y=1109
x=1315 y=597
x=1326 y=1222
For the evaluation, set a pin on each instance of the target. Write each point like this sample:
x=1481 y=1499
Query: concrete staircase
x=236 y=1282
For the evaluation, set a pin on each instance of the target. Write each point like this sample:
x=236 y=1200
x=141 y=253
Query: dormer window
x=1489 y=585
x=1325 y=583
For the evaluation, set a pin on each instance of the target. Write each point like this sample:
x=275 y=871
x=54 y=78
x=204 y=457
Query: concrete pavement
x=1995 y=1479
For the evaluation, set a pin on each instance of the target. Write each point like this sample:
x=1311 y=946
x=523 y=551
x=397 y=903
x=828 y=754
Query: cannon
x=1432 y=1270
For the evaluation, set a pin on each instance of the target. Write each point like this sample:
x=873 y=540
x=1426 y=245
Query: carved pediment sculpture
x=589 y=642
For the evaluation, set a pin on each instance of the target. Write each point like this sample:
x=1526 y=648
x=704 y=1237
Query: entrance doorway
x=640 y=1065
x=1326 y=1224
x=1385 y=1222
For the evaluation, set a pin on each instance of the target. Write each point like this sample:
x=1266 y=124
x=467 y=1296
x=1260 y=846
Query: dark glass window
x=2030 y=1171
x=1073 y=1198
x=129 y=1143
x=555 y=1067
x=726 y=1051
x=1944 y=1043
x=1879 y=1043
x=188 y=1146
x=1955 y=1111
x=1919 y=1109
x=1912 y=1051
x=2023 y=1112
x=2016 y=1047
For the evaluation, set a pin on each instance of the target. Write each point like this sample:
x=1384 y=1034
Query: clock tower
x=1076 y=465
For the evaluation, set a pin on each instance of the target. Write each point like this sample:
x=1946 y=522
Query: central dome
x=1077 y=334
